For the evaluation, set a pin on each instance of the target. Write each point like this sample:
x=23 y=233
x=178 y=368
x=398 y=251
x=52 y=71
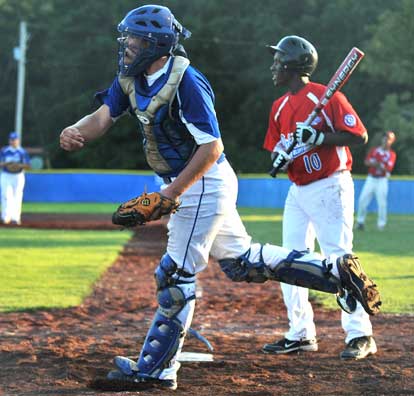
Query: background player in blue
x=13 y=161
x=174 y=104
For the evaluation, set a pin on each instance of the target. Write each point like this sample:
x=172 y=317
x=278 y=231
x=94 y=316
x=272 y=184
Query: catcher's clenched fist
x=146 y=207
x=71 y=139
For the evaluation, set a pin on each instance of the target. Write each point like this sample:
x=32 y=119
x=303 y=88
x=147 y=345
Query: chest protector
x=168 y=146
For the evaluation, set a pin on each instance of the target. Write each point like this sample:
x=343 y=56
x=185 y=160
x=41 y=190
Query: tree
x=391 y=62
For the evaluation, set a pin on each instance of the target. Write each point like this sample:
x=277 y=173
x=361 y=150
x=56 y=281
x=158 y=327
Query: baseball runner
x=320 y=202
x=174 y=105
x=380 y=162
x=14 y=159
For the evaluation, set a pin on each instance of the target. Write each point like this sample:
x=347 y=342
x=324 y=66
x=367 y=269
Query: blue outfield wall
x=86 y=187
x=271 y=193
x=118 y=187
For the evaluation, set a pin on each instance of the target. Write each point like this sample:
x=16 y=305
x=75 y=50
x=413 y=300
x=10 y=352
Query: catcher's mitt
x=146 y=207
x=13 y=167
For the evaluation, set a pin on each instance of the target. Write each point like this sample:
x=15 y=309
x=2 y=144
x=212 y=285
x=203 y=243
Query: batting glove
x=281 y=159
x=307 y=135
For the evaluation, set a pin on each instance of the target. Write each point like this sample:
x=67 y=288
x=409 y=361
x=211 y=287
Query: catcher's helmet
x=157 y=27
x=297 y=55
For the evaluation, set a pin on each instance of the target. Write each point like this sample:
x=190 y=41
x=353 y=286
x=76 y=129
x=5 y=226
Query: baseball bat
x=335 y=84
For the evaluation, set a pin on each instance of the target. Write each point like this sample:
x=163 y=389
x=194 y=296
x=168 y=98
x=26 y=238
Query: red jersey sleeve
x=389 y=165
x=371 y=154
x=344 y=116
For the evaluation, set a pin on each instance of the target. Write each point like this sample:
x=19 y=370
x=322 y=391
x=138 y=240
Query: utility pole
x=20 y=57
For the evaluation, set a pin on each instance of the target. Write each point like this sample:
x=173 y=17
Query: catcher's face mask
x=135 y=53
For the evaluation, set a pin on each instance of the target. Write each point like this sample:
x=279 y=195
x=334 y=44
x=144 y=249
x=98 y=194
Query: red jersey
x=311 y=163
x=385 y=157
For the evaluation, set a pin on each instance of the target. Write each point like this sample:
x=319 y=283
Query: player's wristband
x=320 y=137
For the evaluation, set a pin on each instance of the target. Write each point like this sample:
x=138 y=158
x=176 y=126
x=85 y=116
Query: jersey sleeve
x=273 y=133
x=196 y=107
x=114 y=98
x=344 y=116
x=371 y=154
x=25 y=157
x=389 y=165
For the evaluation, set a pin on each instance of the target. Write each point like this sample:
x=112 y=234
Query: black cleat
x=142 y=383
x=287 y=346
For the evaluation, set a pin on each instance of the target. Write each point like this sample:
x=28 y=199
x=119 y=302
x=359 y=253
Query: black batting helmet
x=298 y=54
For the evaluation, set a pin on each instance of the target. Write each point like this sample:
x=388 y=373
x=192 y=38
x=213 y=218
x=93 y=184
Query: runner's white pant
x=12 y=185
x=323 y=209
x=208 y=223
x=377 y=186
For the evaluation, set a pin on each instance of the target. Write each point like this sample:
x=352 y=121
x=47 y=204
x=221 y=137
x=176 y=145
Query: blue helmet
x=13 y=135
x=159 y=32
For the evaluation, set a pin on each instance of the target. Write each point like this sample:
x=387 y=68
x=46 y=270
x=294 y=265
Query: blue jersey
x=11 y=154
x=193 y=105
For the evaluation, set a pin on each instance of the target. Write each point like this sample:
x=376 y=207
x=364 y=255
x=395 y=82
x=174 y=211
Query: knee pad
x=168 y=274
x=241 y=269
x=163 y=273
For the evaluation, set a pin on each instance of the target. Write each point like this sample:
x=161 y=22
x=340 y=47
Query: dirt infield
x=58 y=351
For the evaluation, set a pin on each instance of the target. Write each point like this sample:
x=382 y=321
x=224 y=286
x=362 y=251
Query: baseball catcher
x=174 y=105
x=146 y=207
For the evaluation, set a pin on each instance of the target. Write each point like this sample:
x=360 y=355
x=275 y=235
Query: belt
x=221 y=158
x=168 y=180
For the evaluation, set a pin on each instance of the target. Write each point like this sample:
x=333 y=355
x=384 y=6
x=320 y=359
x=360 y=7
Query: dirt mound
x=58 y=351
x=65 y=221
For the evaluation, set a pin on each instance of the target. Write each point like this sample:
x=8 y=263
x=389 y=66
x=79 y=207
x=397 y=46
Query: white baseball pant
x=12 y=185
x=377 y=186
x=324 y=208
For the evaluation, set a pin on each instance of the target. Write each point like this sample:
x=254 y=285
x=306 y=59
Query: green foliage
x=397 y=114
x=72 y=54
x=390 y=59
x=45 y=269
x=389 y=39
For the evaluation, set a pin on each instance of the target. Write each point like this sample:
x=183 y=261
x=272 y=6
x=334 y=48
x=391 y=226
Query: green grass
x=53 y=268
x=387 y=256
x=58 y=268
x=68 y=207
